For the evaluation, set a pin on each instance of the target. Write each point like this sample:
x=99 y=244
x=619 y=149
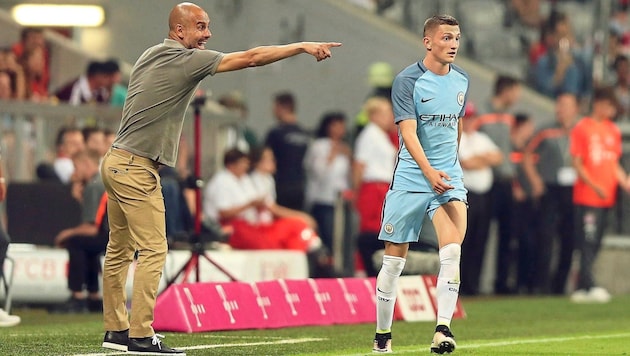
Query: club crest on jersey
x=460 y=98
x=389 y=228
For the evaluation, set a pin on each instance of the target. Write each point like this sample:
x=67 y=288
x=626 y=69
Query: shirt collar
x=172 y=43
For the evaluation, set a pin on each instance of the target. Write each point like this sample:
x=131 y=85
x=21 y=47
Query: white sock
x=447 y=288
x=386 y=292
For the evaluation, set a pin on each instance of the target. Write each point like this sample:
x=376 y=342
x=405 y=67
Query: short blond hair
x=374 y=104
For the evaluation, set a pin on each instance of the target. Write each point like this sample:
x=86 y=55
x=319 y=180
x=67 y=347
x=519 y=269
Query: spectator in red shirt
x=33 y=43
x=596 y=150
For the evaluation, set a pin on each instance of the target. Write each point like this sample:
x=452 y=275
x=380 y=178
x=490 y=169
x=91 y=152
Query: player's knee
x=390 y=271
x=450 y=253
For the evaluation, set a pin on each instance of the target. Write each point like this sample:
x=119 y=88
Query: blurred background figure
x=380 y=79
x=116 y=91
x=596 y=150
x=289 y=142
x=524 y=210
x=85 y=242
x=372 y=169
x=496 y=120
x=68 y=142
x=90 y=87
x=33 y=62
x=243 y=137
x=31 y=51
x=10 y=66
x=477 y=155
x=547 y=165
x=94 y=140
x=327 y=165
x=6 y=320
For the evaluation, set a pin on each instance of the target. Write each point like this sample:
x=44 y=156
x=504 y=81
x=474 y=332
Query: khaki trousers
x=135 y=209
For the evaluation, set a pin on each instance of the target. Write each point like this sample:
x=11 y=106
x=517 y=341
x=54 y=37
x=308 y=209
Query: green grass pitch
x=494 y=326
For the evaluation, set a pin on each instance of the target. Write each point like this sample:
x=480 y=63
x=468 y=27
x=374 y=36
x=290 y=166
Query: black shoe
x=150 y=346
x=116 y=340
x=95 y=305
x=71 y=306
x=382 y=343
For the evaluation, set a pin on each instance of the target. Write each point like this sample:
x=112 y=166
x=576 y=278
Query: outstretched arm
x=263 y=55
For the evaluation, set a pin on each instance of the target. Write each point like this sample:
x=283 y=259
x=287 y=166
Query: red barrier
x=210 y=306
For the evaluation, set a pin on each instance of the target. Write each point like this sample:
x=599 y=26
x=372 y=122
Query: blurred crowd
x=562 y=55
x=25 y=75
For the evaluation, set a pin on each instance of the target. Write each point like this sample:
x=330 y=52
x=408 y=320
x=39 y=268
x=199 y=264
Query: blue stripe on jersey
x=436 y=102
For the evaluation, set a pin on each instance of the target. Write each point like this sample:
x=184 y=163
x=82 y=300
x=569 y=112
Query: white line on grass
x=544 y=340
x=405 y=350
x=203 y=347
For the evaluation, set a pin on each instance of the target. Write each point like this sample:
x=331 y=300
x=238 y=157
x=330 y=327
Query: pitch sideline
x=215 y=346
x=414 y=349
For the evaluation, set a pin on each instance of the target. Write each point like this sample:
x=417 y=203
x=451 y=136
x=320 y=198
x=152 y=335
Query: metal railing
x=28 y=132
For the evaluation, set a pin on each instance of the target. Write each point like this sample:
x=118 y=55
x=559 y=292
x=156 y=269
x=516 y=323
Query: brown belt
x=133 y=158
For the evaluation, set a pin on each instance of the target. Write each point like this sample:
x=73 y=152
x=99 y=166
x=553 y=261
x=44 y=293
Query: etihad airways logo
x=439 y=120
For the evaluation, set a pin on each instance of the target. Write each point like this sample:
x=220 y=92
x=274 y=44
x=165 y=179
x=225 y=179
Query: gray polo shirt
x=497 y=126
x=551 y=146
x=162 y=84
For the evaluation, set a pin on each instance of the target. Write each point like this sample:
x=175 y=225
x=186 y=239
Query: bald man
x=161 y=86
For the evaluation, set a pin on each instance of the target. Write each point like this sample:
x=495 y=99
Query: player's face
x=444 y=43
x=197 y=30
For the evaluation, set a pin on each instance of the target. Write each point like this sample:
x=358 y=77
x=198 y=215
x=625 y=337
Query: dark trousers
x=502 y=203
x=84 y=262
x=324 y=215
x=4 y=246
x=524 y=215
x=367 y=244
x=474 y=246
x=590 y=225
x=555 y=233
x=290 y=195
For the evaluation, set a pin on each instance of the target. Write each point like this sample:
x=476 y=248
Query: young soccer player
x=428 y=98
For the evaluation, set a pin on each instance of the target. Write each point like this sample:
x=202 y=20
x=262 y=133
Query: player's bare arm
x=436 y=178
x=263 y=55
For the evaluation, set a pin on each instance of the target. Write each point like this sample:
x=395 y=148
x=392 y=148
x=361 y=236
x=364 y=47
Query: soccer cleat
x=382 y=343
x=443 y=340
x=151 y=345
x=116 y=340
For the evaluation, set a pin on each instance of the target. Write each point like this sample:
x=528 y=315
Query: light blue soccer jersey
x=436 y=102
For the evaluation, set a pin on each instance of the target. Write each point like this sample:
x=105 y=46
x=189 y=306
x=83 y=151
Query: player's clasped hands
x=320 y=50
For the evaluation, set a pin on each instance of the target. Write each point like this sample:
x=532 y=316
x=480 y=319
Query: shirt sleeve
x=361 y=152
x=577 y=145
x=202 y=63
x=402 y=99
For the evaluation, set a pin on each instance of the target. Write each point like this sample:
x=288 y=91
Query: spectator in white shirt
x=327 y=166
x=247 y=204
x=373 y=167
